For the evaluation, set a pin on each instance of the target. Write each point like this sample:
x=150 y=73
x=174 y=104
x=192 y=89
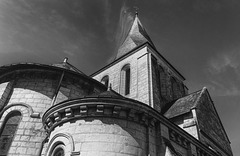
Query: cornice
x=13 y=70
x=125 y=109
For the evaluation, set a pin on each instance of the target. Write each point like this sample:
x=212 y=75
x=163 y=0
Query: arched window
x=58 y=150
x=156 y=75
x=174 y=88
x=105 y=80
x=162 y=79
x=8 y=131
x=182 y=90
x=125 y=80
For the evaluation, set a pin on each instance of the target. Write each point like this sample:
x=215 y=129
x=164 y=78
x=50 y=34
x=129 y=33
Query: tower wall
x=166 y=84
x=148 y=84
x=140 y=76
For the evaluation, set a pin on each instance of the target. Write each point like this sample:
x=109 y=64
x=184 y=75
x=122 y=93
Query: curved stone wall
x=114 y=125
x=102 y=136
x=102 y=126
x=33 y=89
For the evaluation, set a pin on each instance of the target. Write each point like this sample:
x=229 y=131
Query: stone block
x=21 y=150
x=31 y=151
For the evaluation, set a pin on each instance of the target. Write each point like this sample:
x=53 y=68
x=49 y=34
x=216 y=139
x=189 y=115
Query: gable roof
x=182 y=105
x=136 y=37
x=209 y=122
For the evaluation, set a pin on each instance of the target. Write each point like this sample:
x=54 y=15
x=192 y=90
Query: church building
x=137 y=105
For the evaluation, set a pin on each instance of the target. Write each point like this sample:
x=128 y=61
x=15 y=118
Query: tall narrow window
x=125 y=80
x=181 y=88
x=156 y=75
x=174 y=88
x=105 y=80
x=162 y=76
x=8 y=131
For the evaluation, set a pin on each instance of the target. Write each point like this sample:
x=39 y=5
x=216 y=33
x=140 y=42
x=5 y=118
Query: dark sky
x=199 y=37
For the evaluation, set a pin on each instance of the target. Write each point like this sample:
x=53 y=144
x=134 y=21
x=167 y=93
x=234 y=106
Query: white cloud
x=221 y=62
x=224 y=74
x=220 y=89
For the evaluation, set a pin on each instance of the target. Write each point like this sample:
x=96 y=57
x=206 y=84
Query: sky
x=200 y=38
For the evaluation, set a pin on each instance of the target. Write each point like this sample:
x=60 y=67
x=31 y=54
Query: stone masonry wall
x=32 y=92
x=139 y=83
x=187 y=122
x=35 y=91
x=156 y=86
x=143 y=84
x=71 y=89
x=105 y=136
x=179 y=149
x=165 y=86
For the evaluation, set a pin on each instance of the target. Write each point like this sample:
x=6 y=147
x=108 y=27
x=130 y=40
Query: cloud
x=223 y=61
x=223 y=73
x=46 y=32
x=220 y=89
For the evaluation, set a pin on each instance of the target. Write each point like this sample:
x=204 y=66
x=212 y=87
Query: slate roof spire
x=136 y=37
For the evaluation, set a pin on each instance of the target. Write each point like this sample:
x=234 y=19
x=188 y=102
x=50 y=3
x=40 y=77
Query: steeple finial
x=65 y=60
x=136 y=36
x=136 y=10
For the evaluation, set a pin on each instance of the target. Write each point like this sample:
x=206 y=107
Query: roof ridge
x=203 y=90
x=65 y=64
x=181 y=105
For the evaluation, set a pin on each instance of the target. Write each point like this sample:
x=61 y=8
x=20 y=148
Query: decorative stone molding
x=201 y=152
x=178 y=139
x=68 y=112
x=83 y=110
x=121 y=108
x=56 y=138
x=116 y=110
x=100 y=109
x=189 y=124
x=30 y=109
x=92 y=107
x=57 y=116
x=152 y=122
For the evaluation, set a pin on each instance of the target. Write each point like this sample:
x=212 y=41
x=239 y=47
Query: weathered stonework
x=139 y=83
x=143 y=83
x=31 y=92
x=116 y=126
x=48 y=110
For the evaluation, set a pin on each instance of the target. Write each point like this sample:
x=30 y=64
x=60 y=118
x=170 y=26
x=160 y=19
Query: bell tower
x=140 y=72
